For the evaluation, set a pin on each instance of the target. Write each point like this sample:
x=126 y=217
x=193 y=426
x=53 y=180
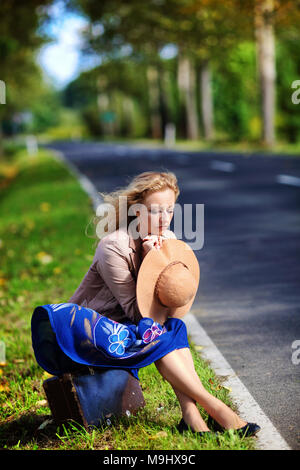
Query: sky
x=61 y=59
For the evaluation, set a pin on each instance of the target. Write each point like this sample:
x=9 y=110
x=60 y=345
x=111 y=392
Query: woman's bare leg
x=178 y=369
x=188 y=405
x=190 y=412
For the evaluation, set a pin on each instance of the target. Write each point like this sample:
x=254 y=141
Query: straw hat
x=167 y=281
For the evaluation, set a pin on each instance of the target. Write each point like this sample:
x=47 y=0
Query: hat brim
x=154 y=262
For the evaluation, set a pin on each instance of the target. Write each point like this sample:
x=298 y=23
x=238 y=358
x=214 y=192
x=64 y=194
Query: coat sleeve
x=113 y=267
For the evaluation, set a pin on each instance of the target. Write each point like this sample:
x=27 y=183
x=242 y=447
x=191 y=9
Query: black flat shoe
x=250 y=429
x=214 y=425
x=182 y=426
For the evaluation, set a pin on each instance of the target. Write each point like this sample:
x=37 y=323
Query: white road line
x=288 y=179
x=222 y=166
x=268 y=437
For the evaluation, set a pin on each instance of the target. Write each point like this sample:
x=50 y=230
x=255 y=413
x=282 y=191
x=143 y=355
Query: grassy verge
x=44 y=255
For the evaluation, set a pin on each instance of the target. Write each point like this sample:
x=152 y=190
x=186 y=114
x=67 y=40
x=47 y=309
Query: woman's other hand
x=151 y=242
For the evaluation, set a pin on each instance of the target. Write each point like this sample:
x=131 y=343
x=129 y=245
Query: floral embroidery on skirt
x=87 y=337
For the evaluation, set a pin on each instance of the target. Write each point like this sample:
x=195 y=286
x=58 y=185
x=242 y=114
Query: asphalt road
x=249 y=295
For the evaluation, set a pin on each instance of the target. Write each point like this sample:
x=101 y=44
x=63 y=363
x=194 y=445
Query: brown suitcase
x=90 y=398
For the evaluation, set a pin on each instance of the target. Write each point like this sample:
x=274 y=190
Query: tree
x=201 y=29
x=205 y=31
x=117 y=87
x=265 y=37
x=20 y=38
x=271 y=19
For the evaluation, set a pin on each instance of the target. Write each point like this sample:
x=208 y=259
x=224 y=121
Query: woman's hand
x=151 y=242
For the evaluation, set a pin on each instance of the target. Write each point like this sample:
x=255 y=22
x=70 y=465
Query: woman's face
x=158 y=213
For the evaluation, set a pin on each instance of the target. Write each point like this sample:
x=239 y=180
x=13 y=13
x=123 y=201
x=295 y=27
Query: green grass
x=44 y=254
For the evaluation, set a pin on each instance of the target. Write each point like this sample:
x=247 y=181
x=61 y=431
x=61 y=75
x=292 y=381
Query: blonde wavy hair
x=141 y=186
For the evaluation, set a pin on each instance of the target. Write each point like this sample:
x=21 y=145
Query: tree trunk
x=154 y=105
x=164 y=97
x=187 y=88
x=265 y=38
x=206 y=100
x=128 y=116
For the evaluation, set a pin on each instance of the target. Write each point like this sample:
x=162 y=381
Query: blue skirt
x=66 y=335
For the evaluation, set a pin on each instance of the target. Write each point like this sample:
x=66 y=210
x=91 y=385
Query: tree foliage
x=21 y=37
x=135 y=91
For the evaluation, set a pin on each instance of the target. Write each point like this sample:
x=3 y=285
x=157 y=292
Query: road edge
x=268 y=437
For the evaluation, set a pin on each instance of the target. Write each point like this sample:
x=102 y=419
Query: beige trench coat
x=109 y=286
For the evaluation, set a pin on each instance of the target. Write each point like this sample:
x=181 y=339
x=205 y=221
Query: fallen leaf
x=213 y=386
x=24 y=275
x=44 y=258
x=159 y=435
x=45 y=206
x=4 y=387
x=10 y=418
x=30 y=224
x=9 y=171
x=46 y=375
x=41 y=403
x=198 y=348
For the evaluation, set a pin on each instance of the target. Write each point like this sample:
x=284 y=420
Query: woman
x=109 y=288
